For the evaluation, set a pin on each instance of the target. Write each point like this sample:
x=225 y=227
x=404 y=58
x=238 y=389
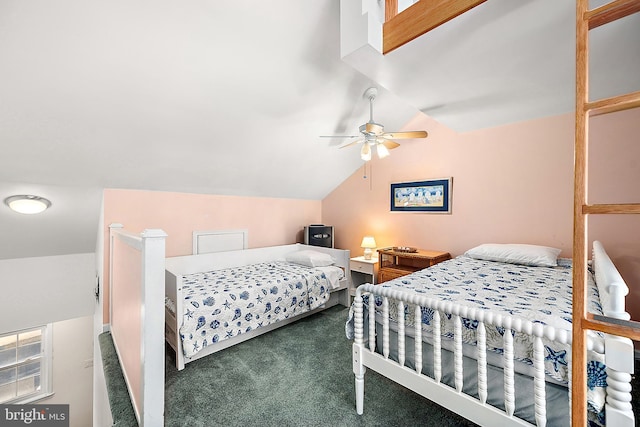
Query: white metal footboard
x=472 y=408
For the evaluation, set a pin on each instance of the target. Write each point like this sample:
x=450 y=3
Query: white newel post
x=358 y=344
x=620 y=365
x=152 y=354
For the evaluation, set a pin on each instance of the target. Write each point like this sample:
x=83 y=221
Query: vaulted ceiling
x=231 y=97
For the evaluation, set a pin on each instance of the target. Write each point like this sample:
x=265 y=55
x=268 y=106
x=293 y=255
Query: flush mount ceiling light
x=27 y=204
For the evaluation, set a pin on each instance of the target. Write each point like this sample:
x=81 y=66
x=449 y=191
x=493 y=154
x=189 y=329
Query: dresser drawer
x=386 y=274
x=362 y=267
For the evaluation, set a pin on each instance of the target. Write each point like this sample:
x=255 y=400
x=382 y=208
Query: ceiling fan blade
x=339 y=136
x=348 y=144
x=388 y=143
x=406 y=135
x=374 y=128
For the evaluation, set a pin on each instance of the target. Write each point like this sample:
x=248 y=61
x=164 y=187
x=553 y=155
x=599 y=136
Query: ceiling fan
x=373 y=134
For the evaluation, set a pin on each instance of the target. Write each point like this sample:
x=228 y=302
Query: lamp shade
x=368 y=242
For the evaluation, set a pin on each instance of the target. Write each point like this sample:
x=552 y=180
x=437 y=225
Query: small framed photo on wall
x=432 y=195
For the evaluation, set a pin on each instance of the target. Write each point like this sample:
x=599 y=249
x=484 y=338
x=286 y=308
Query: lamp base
x=367 y=253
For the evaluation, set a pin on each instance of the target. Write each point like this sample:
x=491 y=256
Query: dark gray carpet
x=298 y=375
x=121 y=408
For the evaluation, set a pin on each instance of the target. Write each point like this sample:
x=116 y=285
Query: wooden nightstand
x=395 y=264
x=362 y=271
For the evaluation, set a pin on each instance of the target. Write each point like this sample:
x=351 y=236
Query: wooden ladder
x=582 y=320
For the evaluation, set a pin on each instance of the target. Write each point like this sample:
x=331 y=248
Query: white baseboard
x=106 y=327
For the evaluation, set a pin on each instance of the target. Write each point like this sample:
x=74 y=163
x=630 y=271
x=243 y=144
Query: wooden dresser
x=392 y=263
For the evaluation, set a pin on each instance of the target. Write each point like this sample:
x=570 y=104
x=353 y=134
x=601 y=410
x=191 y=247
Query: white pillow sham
x=310 y=258
x=511 y=253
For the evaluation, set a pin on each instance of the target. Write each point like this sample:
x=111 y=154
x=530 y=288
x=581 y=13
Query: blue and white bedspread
x=221 y=304
x=539 y=294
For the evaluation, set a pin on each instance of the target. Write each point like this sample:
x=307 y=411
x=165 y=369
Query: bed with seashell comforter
x=488 y=339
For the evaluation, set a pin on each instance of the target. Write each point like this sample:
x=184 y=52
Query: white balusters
x=570 y=375
x=437 y=347
x=401 y=333
x=457 y=325
x=385 y=327
x=482 y=362
x=538 y=383
x=358 y=367
x=358 y=320
x=509 y=390
x=418 y=338
x=372 y=322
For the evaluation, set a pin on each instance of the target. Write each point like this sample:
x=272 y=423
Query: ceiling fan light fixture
x=382 y=151
x=27 y=204
x=365 y=153
x=374 y=134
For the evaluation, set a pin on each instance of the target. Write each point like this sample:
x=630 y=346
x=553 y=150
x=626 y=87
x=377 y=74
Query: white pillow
x=310 y=258
x=539 y=256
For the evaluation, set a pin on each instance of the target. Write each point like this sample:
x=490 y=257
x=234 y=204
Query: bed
x=216 y=300
x=501 y=355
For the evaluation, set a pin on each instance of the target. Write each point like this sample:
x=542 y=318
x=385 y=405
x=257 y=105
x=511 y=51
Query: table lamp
x=368 y=243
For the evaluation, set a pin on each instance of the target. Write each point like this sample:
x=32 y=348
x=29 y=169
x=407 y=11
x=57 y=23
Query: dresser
x=393 y=263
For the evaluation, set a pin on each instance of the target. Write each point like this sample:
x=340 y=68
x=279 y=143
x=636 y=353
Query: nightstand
x=362 y=271
x=394 y=264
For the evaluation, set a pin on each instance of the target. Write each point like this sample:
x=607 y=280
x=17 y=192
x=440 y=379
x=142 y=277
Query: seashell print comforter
x=221 y=304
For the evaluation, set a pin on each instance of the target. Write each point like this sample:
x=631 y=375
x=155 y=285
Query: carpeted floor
x=299 y=375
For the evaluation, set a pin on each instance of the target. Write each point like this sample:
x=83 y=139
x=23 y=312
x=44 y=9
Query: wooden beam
x=620 y=208
x=622 y=328
x=613 y=104
x=390 y=9
x=580 y=225
x=420 y=18
x=610 y=12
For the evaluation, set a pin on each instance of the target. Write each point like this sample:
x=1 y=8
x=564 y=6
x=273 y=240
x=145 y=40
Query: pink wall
x=512 y=183
x=270 y=221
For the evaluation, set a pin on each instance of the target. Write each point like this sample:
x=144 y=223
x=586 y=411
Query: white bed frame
x=619 y=357
x=176 y=267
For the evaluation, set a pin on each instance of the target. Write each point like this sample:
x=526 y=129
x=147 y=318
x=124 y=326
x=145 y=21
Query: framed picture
x=433 y=195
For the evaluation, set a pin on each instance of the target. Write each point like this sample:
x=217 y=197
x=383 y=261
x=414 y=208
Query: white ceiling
x=230 y=97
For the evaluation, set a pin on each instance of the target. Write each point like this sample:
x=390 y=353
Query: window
x=25 y=365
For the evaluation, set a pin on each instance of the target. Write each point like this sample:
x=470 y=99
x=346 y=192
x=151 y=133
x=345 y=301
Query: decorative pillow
x=538 y=256
x=310 y=258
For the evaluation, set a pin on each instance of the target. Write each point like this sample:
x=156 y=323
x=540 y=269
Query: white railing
x=136 y=280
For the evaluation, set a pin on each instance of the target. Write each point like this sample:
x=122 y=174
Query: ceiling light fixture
x=365 y=153
x=27 y=204
x=382 y=151
x=372 y=134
